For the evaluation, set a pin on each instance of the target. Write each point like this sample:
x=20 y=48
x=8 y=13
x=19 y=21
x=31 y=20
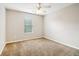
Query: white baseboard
x=16 y=41
x=21 y=40
x=47 y=37
x=2 y=48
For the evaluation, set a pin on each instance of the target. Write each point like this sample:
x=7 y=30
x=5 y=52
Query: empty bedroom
x=39 y=29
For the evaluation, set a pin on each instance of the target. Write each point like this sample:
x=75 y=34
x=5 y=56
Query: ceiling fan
x=43 y=7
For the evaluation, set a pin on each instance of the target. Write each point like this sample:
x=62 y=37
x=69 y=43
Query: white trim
x=2 y=48
x=21 y=40
x=47 y=37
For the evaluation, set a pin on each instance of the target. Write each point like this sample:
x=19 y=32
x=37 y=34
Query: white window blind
x=27 y=25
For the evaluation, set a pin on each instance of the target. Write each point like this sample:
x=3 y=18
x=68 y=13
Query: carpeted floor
x=38 y=47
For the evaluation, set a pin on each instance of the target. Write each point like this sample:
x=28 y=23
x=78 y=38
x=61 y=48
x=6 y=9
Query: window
x=27 y=25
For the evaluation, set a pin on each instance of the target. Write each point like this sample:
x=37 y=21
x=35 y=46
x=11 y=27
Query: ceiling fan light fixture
x=42 y=8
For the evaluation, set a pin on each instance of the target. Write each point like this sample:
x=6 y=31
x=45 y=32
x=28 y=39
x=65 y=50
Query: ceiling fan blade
x=46 y=5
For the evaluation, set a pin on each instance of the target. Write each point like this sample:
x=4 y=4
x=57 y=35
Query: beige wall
x=63 y=26
x=15 y=26
x=2 y=27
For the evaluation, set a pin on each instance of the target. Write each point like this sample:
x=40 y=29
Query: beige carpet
x=38 y=47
